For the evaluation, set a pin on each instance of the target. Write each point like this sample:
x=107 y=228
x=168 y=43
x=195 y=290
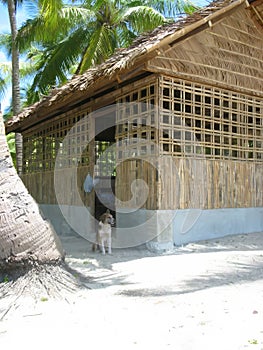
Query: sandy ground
x=207 y=295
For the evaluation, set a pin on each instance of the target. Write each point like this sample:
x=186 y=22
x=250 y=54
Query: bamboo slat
x=229 y=54
x=202 y=121
x=208 y=148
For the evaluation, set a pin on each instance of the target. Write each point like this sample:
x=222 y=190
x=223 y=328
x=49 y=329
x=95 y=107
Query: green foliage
x=12 y=147
x=64 y=38
x=43 y=299
x=172 y=8
x=4 y=278
x=5 y=77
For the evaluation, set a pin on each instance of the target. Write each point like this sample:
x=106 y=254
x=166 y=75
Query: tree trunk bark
x=16 y=100
x=25 y=237
x=31 y=256
x=19 y=152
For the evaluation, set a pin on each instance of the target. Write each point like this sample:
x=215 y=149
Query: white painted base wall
x=161 y=229
x=216 y=223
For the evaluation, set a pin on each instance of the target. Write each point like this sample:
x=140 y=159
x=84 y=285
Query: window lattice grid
x=136 y=122
x=200 y=120
x=105 y=159
x=42 y=144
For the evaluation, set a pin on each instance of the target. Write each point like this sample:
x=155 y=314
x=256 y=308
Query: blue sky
x=5 y=28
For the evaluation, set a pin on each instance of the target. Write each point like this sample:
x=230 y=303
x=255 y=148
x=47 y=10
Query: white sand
x=207 y=295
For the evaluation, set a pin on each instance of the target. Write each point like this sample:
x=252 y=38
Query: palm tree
x=2 y=86
x=73 y=38
x=12 y=7
x=31 y=256
x=27 y=241
x=25 y=238
x=5 y=76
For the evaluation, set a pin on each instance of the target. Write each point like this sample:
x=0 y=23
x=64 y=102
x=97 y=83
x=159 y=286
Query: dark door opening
x=105 y=164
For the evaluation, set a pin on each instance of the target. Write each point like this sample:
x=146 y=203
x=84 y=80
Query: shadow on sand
x=98 y=271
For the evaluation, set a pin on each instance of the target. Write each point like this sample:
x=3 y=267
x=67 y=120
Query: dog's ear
x=102 y=217
x=108 y=211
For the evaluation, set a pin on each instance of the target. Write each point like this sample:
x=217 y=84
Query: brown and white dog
x=103 y=236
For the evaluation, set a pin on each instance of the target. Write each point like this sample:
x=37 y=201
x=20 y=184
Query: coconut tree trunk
x=16 y=103
x=26 y=239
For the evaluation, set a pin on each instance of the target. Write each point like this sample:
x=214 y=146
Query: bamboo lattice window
x=136 y=122
x=198 y=120
x=105 y=159
x=42 y=144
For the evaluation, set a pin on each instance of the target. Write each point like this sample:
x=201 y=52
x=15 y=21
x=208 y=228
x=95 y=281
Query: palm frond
x=172 y=8
x=50 y=12
x=27 y=69
x=11 y=142
x=2 y=87
x=53 y=65
x=38 y=30
x=6 y=43
x=34 y=30
x=97 y=5
x=77 y=14
x=6 y=69
x=5 y=76
x=125 y=35
x=101 y=45
x=143 y=18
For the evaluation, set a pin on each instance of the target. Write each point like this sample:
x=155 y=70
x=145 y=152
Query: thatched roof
x=143 y=48
x=257 y=8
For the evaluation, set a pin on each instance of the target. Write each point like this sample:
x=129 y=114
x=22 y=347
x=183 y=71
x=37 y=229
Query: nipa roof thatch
x=143 y=48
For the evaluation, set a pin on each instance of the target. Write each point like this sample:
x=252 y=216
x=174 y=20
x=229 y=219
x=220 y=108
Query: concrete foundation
x=194 y=225
x=160 y=230
x=68 y=220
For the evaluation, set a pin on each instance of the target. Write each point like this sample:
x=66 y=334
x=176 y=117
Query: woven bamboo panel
x=42 y=143
x=256 y=10
x=228 y=53
x=189 y=183
x=195 y=146
x=205 y=122
x=211 y=184
x=41 y=187
x=137 y=121
x=209 y=147
x=136 y=142
x=131 y=170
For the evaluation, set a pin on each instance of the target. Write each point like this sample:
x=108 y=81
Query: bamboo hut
x=182 y=110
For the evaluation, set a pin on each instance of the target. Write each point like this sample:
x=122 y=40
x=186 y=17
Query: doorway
x=105 y=164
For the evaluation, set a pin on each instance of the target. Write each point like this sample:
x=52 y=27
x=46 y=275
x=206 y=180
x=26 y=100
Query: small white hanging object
x=88 y=183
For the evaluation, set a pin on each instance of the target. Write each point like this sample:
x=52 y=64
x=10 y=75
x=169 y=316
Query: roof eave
x=145 y=54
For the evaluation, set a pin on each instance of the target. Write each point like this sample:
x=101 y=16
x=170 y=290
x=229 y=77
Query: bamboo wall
x=188 y=183
x=198 y=120
x=41 y=186
x=228 y=53
x=137 y=144
x=211 y=184
x=129 y=171
x=42 y=143
x=62 y=143
x=208 y=149
x=194 y=145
